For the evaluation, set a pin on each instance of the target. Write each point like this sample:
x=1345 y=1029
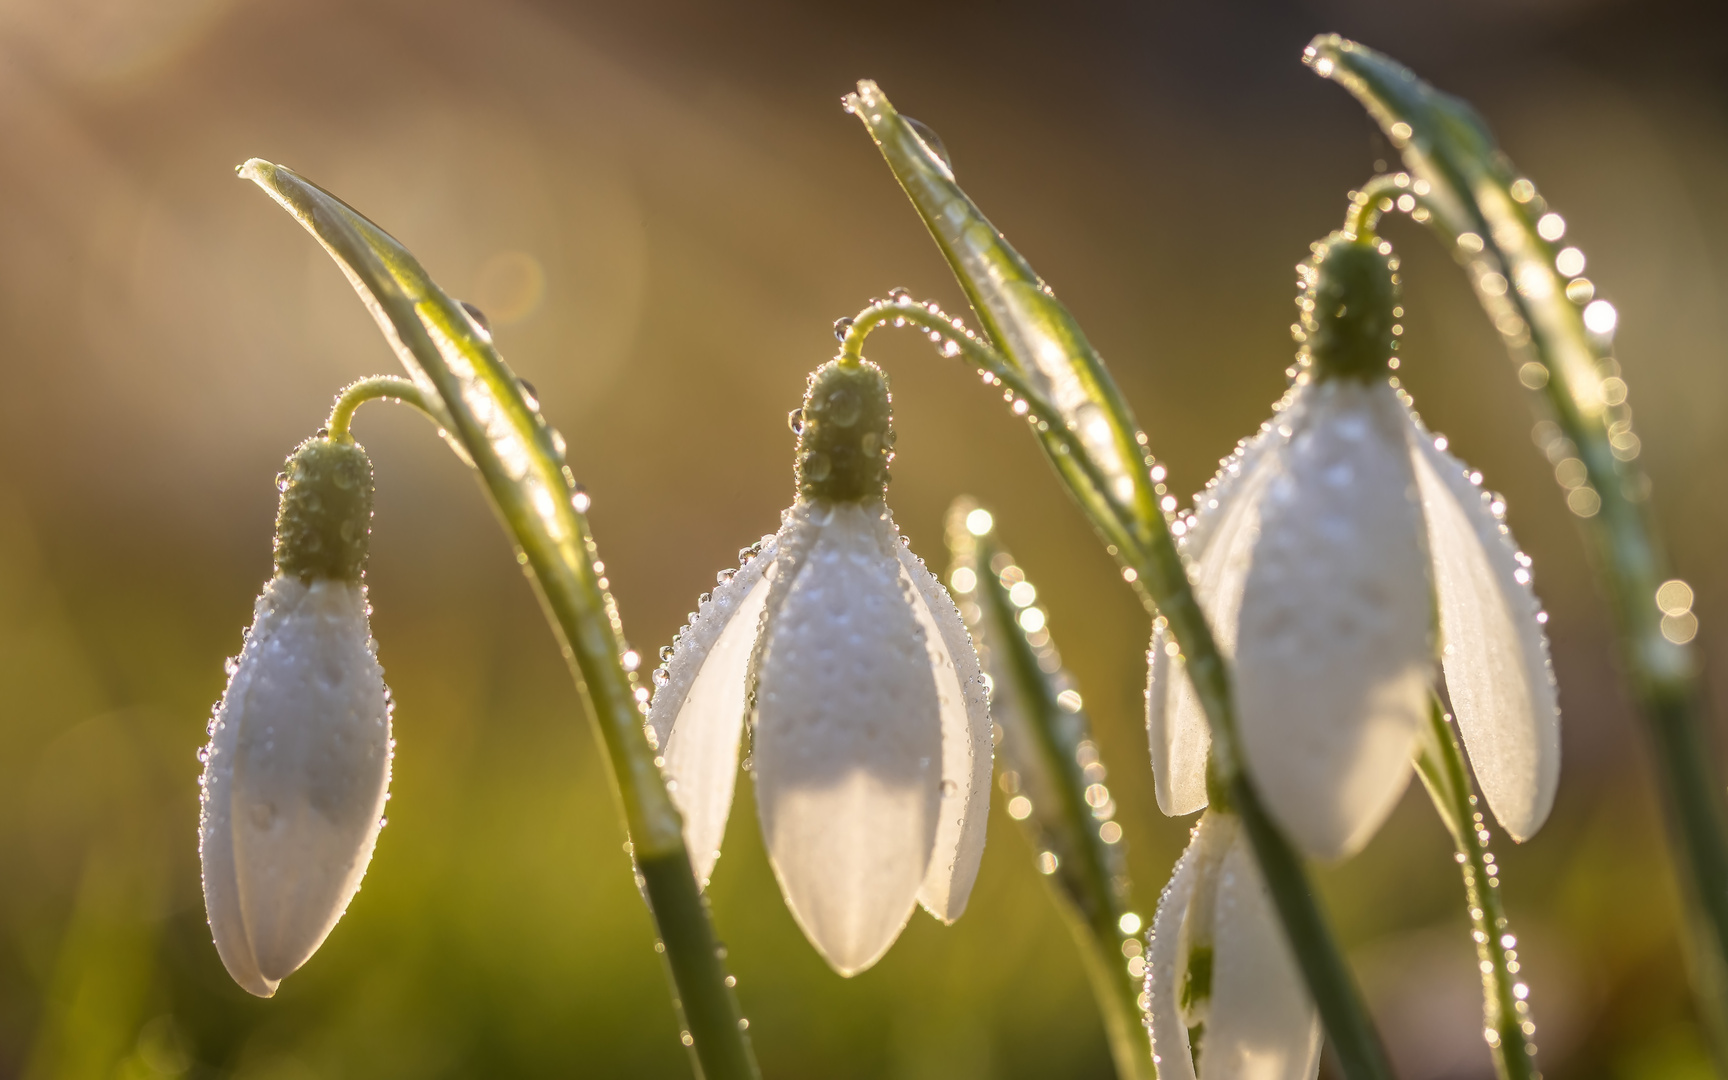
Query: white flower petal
x=1170 y=1049
x=967 y=753
x=698 y=716
x=1219 y=548
x=1262 y=1025
x=848 y=739
x=1333 y=654
x=295 y=783
x=1494 y=651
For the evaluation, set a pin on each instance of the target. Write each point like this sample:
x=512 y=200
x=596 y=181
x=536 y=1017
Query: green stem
x=1489 y=216
x=1143 y=543
x=1505 y=1014
x=1375 y=199
x=1085 y=481
x=488 y=418
x=385 y=387
x=1090 y=882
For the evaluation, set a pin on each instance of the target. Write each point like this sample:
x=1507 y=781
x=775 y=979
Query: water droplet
x=841 y=325
x=845 y=407
x=528 y=392
x=477 y=315
x=795 y=421
x=203 y=755
x=899 y=294
x=931 y=140
x=949 y=787
x=817 y=466
x=281 y=481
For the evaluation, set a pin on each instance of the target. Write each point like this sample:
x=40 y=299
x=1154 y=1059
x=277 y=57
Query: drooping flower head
x=298 y=762
x=1226 y=998
x=867 y=714
x=1326 y=553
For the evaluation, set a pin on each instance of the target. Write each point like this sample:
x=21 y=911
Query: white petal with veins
x=848 y=737
x=1219 y=549
x=1170 y=1049
x=1262 y=1025
x=1224 y=987
x=966 y=742
x=1494 y=652
x=1333 y=654
x=698 y=716
x=295 y=781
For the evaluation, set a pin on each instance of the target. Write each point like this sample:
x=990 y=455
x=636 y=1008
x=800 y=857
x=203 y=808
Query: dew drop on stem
x=477 y=315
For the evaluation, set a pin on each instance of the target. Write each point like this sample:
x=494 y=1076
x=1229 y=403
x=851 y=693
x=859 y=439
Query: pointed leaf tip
x=1018 y=312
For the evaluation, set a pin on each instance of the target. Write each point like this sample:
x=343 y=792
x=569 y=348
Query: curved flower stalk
x=1053 y=775
x=1036 y=334
x=1325 y=553
x=298 y=765
x=1560 y=334
x=1226 y=998
x=869 y=722
x=493 y=422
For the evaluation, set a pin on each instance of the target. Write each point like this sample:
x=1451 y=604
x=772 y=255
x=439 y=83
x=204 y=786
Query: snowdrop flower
x=1227 y=1001
x=298 y=762
x=1326 y=553
x=869 y=726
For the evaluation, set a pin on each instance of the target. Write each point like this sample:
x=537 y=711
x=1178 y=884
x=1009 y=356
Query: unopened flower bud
x=298 y=762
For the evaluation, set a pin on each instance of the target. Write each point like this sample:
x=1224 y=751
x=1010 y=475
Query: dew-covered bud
x=845 y=433
x=298 y=763
x=1347 y=309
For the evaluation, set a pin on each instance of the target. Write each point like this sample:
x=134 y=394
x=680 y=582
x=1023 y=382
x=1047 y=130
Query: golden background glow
x=663 y=209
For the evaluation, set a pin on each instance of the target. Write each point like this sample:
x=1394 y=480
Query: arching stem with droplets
x=376 y=388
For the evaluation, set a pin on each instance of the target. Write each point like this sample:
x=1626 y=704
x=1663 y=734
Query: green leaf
x=1050 y=768
x=1440 y=763
x=1468 y=185
x=1016 y=309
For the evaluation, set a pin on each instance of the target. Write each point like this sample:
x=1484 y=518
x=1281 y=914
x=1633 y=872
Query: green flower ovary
x=845 y=433
x=324 y=521
x=1348 y=316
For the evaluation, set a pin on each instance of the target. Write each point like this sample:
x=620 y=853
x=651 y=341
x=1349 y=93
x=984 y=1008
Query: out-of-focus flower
x=298 y=762
x=1325 y=553
x=1226 y=999
x=869 y=724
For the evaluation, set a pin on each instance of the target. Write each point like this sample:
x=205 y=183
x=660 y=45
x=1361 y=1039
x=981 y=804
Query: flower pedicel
x=869 y=724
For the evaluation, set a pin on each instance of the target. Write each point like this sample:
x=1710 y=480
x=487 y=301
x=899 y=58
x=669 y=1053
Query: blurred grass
x=698 y=211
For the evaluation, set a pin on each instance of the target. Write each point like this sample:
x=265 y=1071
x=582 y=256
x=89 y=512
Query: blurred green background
x=662 y=208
